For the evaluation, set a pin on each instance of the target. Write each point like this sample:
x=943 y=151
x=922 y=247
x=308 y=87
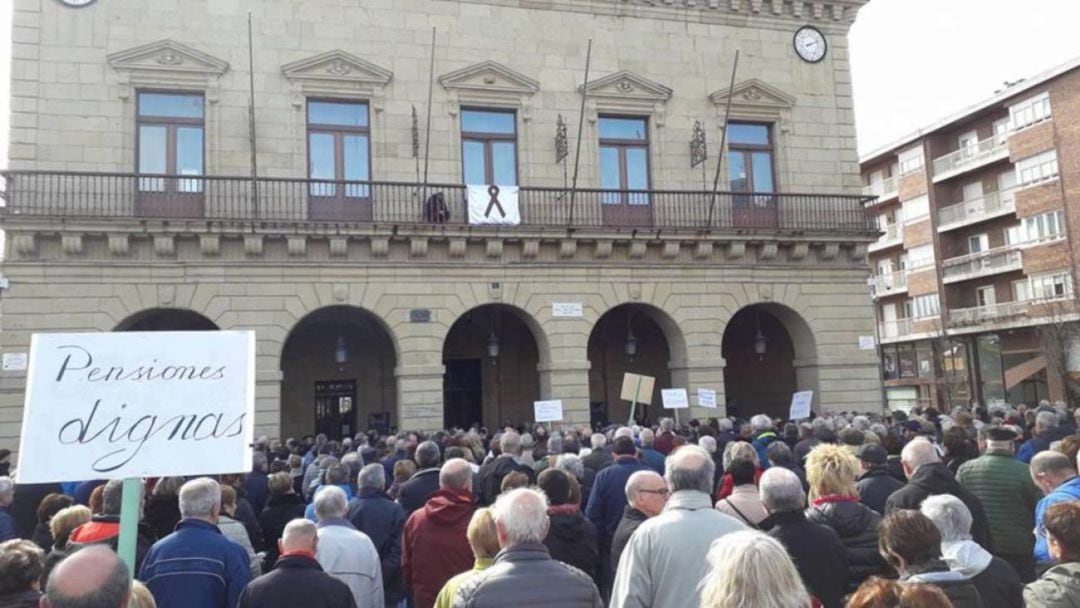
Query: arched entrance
x=338 y=374
x=630 y=338
x=490 y=357
x=166 y=319
x=762 y=347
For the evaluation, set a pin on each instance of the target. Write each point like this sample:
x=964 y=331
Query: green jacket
x=1004 y=486
x=1059 y=587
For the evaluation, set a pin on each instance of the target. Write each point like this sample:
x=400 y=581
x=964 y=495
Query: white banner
x=138 y=404
x=675 y=398
x=706 y=397
x=494 y=205
x=548 y=411
x=800 y=405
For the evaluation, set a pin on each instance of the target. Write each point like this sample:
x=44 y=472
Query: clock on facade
x=810 y=44
x=77 y=3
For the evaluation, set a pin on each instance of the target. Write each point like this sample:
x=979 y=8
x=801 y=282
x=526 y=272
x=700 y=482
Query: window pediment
x=489 y=83
x=625 y=91
x=753 y=99
x=167 y=63
x=336 y=73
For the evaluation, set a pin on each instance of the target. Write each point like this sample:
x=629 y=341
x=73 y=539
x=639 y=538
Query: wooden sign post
x=637 y=389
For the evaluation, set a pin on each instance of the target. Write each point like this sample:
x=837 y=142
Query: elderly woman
x=484 y=542
x=162 y=511
x=911 y=543
x=50 y=506
x=744 y=503
x=751 y=570
x=1059 y=587
x=996 y=580
x=284 y=506
x=21 y=563
x=61 y=526
x=234 y=530
x=834 y=502
x=737 y=450
x=571 y=538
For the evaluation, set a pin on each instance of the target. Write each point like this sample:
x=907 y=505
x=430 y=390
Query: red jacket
x=663 y=442
x=727 y=484
x=434 y=546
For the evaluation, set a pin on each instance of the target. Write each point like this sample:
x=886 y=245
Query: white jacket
x=966 y=557
x=349 y=556
x=236 y=532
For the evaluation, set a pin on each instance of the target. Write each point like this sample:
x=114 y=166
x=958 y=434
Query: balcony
x=972 y=157
x=984 y=263
x=110 y=196
x=892 y=235
x=882 y=191
x=889 y=284
x=979 y=315
x=988 y=206
x=895 y=329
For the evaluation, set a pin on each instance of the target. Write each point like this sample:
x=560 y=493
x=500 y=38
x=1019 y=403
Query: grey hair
x=861 y=422
x=522 y=515
x=781 y=490
x=168 y=486
x=919 y=451
x=330 y=501
x=821 y=427
x=571 y=463
x=199 y=497
x=555 y=444
x=1052 y=462
x=690 y=468
x=667 y=424
x=455 y=474
x=7 y=486
x=761 y=422
x=624 y=431
x=371 y=477
x=778 y=452
x=110 y=592
x=112 y=497
x=647 y=437
x=709 y=443
x=510 y=443
x=258 y=460
x=725 y=424
x=300 y=527
x=1047 y=420
x=597 y=441
x=750 y=568
x=635 y=481
x=427 y=455
x=739 y=450
x=527 y=441
x=950 y=515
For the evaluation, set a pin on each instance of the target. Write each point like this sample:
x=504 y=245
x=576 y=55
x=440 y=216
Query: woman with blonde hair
x=834 y=502
x=735 y=451
x=750 y=569
x=62 y=525
x=484 y=541
x=140 y=596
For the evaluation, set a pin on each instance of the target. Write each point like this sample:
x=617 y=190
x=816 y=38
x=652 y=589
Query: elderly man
x=1056 y=477
x=196 y=565
x=646 y=495
x=491 y=474
x=665 y=558
x=649 y=455
x=600 y=457
x=996 y=580
x=94 y=576
x=1045 y=433
x=255 y=486
x=434 y=544
x=346 y=553
x=523 y=573
x=104 y=528
x=298 y=580
x=817 y=551
x=761 y=427
x=607 y=500
x=425 y=481
x=928 y=476
x=377 y=515
x=1004 y=486
x=876 y=485
x=7 y=496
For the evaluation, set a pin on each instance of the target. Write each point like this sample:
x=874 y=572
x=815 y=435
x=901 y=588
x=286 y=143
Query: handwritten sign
x=800 y=405
x=867 y=343
x=567 y=309
x=706 y=397
x=548 y=411
x=637 y=388
x=138 y=404
x=675 y=398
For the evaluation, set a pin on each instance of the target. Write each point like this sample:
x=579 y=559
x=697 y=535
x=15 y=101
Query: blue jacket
x=1033 y=446
x=257 y=490
x=383 y=520
x=653 y=459
x=309 y=512
x=7 y=526
x=391 y=460
x=607 y=501
x=196 y=566
x=761 y=444
x=1069 y=490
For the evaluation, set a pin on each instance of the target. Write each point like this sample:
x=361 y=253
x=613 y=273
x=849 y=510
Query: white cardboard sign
x=675 y=398
x=867 y=343
x=494 y=205
x=706 y=397
x=567 y=309
x=548 y=411
x=138 y=404
x=800 y=405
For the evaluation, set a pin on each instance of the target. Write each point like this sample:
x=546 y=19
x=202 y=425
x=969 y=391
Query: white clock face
x=76 y=3
x=810 y=44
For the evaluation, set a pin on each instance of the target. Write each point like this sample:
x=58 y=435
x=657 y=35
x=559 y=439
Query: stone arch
x=166 y=319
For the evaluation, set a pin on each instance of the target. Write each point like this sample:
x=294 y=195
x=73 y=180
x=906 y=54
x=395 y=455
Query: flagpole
x=251 y=121
x=723 y=141
x=581 y=126
x=427 y=128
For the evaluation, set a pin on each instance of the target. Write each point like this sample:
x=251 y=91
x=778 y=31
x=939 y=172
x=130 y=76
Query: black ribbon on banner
x=493 y=192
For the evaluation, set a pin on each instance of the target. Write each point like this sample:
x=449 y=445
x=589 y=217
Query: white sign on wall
x=548 y=411
x=14 y=362
x=494 y=205
x=867 y=343
x=706 y=397
x=675 y=398
x=138 y=404
x=800 y=405
x=567 y=309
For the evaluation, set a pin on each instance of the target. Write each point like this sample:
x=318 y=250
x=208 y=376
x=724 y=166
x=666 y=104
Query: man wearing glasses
x=646 y=495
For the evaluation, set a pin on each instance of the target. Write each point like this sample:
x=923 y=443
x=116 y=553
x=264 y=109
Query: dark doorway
x=335 y=408
x=166 y=319
x=627 y=339
x=759 y=373
x=463 y=403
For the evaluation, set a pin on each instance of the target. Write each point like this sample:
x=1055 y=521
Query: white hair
x=571 y=463
x=510 y=443
x=372 y=476
x=690 y=468
x=199 y=497
x=708 y=443
x=527 y=441
x=647 y=437
x=598 y=441
x=330 y=501
x=781 y=490
x=1047 y=420
x=624 y=431
x=521 y=514
x=636 y=480
x=455 y=474
x=725 y=424
x=919 y=451
x=760 y=423
x=750 y=568
x=739 y=450
x=950 y=515
x=667 y=424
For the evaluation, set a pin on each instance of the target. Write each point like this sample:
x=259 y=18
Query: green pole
x=633 y=404
x=129 y=523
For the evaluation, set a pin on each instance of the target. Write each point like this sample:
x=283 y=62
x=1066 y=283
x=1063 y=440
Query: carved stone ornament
x=169 y=57
x=338 y=67
x=167 y=63
x=336 y=73
x=625 y=86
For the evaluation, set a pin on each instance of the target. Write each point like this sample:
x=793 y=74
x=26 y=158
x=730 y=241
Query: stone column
x=420 y=397
x=567 y=380
x=268 y=397
x=703 y=374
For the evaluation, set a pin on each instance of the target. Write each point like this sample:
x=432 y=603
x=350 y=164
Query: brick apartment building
x=131 y=205
x=974 y=274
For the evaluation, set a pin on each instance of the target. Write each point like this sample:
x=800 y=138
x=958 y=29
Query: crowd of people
x=977 y=507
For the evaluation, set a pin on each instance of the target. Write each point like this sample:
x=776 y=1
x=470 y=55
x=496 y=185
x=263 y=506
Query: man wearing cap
x=876 y=484
x=1003 y=484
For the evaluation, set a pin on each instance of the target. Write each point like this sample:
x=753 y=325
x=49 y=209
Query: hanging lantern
x=760 y=342
x=493 y=347
x=341 y=354
x=630 y=348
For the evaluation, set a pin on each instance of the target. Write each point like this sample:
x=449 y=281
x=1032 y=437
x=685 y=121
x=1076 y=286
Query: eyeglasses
x=663 y=492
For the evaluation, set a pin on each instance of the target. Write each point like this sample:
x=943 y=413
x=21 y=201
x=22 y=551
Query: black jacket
x=631 y=519
x=934 y=479
x=999 y=585
x=414 y=493
x=383 y=520
x=297 y=581
x=598 y=460
x=876 y=486
x=162 y=513
x=818 y=554
x=246 y=515
x=491 y=476
x=23 y=510
x=43 y=537
x=960 y=591
x=279 y=511
x=572 y=540
x=857 y=526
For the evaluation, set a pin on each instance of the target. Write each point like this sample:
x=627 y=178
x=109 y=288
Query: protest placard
x=706 y=397
x=548 y=411
x=800 y=405
x=675 y=398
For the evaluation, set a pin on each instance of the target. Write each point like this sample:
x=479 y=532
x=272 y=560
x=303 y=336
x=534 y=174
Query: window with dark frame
x=751 y=163
x=489 y=147
x=624 y=159
x=170 y=128
x=339 y=148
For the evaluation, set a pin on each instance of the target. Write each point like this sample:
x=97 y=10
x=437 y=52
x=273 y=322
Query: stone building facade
x=367 y=308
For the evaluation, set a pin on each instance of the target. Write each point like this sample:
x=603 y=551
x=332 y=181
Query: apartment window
x=1039 y=168
x=624 y=159
x=1001 y=131
x=1021 y=290
x=1013 y=235
x=911 y=160
x=978 y=243
x=1051 y=286
x=750 y=158
x=489 y=147
x=338 y=148
x=1048 y=226
x=925 y=306
x=1030 y=111
x=985 y=296
x=921 y=256
x=916 y=208
x=170 y=140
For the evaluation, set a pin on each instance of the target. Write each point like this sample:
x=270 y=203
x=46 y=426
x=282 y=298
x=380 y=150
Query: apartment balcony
x=892 y=330
x=979 y=315
x=986 y=207
x=892 y=236
x=972 y=157
x=116 y=196
x=889 y=284
x=882 y=191
x=984 y=263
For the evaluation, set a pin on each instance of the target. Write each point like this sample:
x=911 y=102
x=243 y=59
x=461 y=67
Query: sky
x=912 y=61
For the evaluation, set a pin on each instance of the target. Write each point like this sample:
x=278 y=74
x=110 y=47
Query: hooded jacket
x=526 y=575
x=1059 y=587
x=876 y=486
x=857 y=526
x=571 y=539
x=434 y=546
x=931 y=480
x=994 y=578
x=959 y=589
x=1004 y=486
